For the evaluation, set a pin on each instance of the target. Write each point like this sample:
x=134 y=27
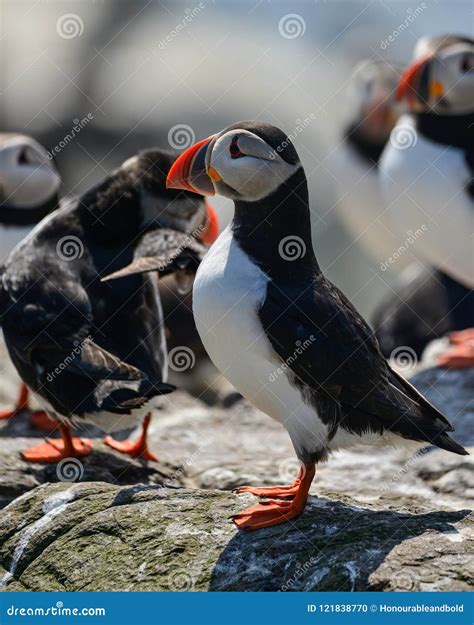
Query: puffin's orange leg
x=275 y=511
x=42 y=421
x=279 y=492
x=462 y=354
x=55 y=449
x=136 y=449
x=21 y=404
x=39 y=419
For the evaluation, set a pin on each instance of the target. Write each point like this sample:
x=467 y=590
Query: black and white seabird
x=93 y=349
x=428 y=179
x=29 y=188
x=285 y=337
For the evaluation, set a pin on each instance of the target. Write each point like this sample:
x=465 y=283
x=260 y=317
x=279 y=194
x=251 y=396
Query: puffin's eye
x=22 y=159
x=234 y=149
x=467 y=63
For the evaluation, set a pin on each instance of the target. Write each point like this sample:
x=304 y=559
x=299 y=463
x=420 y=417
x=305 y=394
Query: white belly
x=424 y=193
x=361 y=208
x=228 y=290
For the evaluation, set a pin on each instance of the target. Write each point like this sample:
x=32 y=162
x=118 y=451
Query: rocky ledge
x=376 y=519
x=97 y=536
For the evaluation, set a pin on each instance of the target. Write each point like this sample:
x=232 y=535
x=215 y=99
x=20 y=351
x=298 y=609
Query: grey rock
x=100 y=537
x=452 y=391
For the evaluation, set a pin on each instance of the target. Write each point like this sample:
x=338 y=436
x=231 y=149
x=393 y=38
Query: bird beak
x=189 y=172
x=211 y=228
x=415 y=85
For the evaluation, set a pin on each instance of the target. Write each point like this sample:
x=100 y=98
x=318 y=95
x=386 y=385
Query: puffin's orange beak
x=410 y=86
x=211 y=229
x=189 y=173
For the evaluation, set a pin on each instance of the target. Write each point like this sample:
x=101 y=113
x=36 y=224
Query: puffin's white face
x=27 y=177
x=442 y=82
x=452 y=79
x=372 y=93
x=242 y=166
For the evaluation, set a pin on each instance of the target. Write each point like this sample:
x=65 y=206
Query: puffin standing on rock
x=91 y=349
x=284 y=336
x=428 y=179
x=29 y=188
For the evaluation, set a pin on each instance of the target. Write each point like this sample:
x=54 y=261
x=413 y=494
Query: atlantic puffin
x=429 y=179
x=286 y=338
x=90 y=347
x=374 y=112
x=29 y=190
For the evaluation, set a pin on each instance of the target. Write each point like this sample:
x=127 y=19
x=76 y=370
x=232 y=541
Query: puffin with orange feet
x=285 y=337
x=93 y=349
x=429 y=179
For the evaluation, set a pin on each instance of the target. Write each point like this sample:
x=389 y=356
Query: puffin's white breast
x=228 y=291
x=360 y=205
x=424 y=190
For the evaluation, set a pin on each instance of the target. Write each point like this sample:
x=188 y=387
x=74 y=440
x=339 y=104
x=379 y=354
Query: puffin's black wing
x=164 y=251
x=93 y=361
x=338 y=366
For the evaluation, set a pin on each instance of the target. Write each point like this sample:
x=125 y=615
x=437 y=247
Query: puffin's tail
x=433 y=423
x=444 y=442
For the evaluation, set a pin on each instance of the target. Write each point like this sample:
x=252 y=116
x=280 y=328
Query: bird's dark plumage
x=164 y=251
x=85 y=346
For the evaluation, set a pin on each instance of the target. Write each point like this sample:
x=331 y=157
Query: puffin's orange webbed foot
x=266 y=514
x=56 y=449
x=276 y=511
x=135 y=449
x=461 y=355
x=279 y=492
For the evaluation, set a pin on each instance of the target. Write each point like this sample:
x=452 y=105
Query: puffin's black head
x=246 y=162
x=186 y=211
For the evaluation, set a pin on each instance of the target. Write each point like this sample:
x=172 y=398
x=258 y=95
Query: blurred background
x=96 y=81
